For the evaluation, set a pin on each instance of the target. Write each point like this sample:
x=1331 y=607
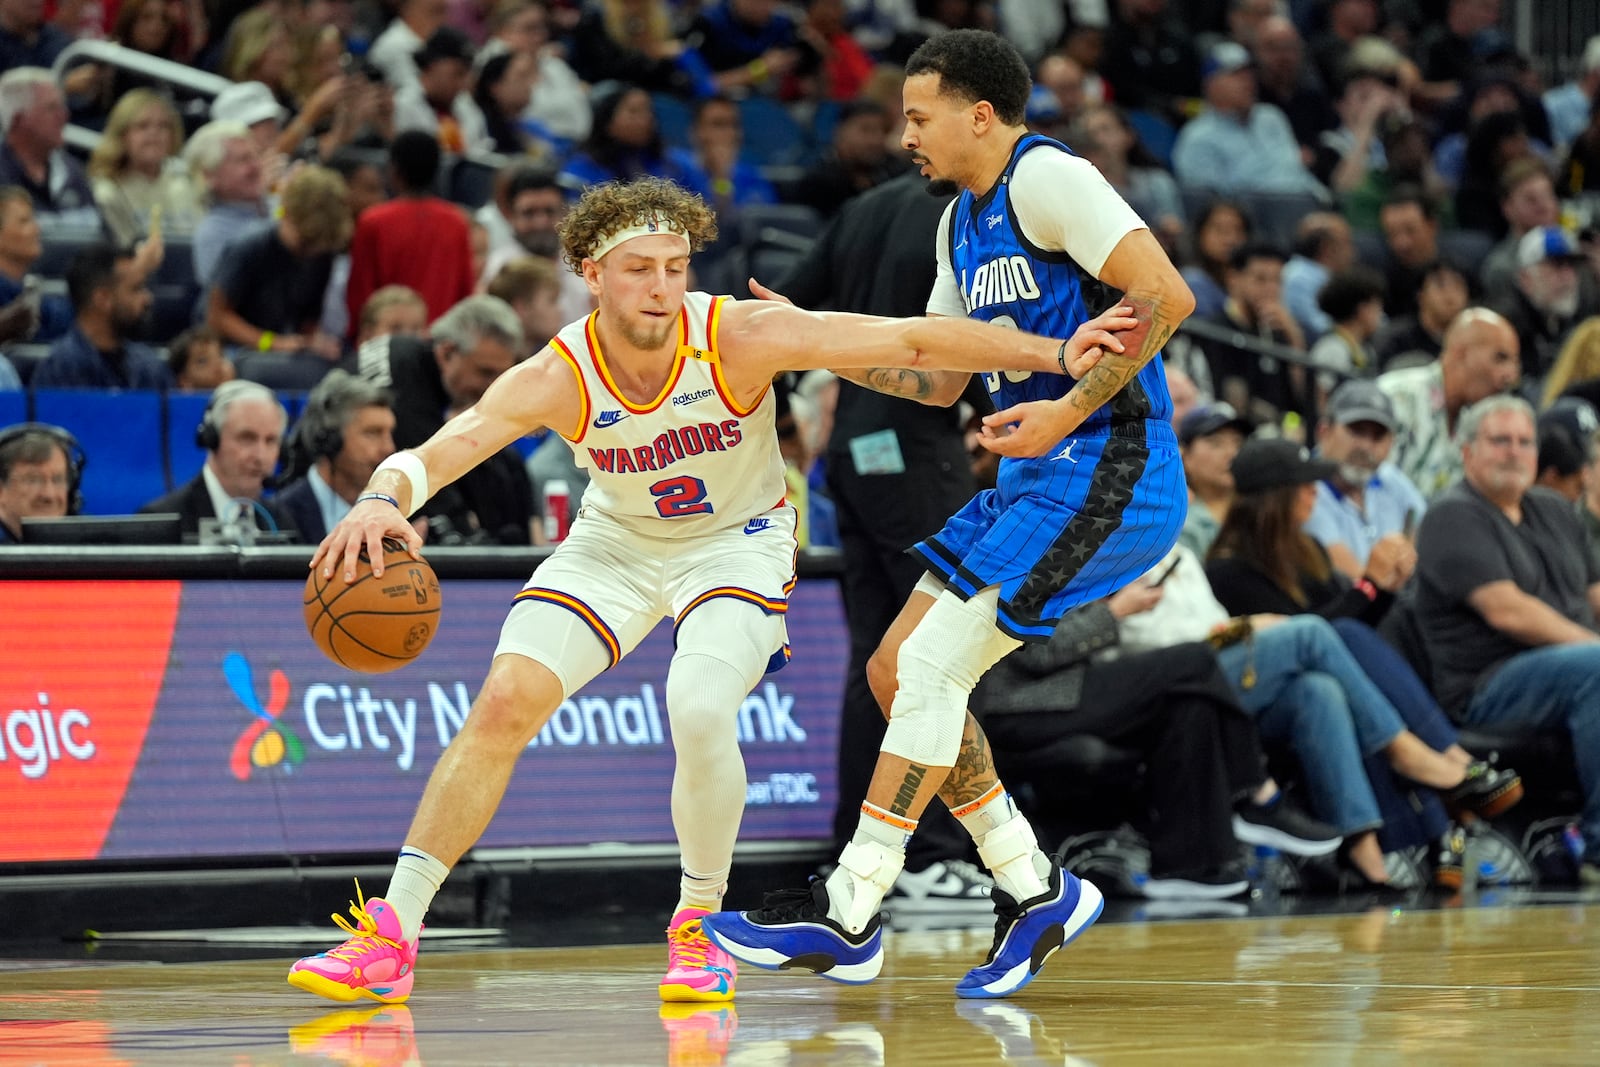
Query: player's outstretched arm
x=936 y=388
x=1159 y=298
x=767 y=338
x=542 y=391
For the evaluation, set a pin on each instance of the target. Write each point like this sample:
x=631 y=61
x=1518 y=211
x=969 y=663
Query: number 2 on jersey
x=680 y=496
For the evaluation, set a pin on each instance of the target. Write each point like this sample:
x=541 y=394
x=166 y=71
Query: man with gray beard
x=1554 y=291
x=1368 y=507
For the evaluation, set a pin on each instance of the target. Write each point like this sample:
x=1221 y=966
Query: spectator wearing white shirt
x=438 y=102
x=394 y=51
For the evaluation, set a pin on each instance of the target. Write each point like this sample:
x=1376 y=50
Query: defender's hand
x=1093 y=339
x=367 y=524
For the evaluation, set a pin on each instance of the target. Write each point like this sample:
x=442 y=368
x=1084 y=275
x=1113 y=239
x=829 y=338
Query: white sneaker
x=947 y=885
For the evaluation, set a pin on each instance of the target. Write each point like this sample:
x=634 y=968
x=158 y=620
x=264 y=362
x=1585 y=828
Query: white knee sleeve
x=939 y=665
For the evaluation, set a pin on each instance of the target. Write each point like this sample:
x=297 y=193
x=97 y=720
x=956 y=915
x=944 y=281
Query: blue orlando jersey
x=1007 y=280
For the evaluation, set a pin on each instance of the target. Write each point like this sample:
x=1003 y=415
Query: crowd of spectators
x=1389 y=217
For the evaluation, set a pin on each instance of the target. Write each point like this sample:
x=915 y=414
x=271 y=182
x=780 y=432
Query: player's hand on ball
x=1036 y=427
x=773 y=295
x=365 y=527
x=1092 y=340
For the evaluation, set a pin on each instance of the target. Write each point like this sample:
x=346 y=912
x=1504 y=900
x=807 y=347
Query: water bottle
x=557 y=510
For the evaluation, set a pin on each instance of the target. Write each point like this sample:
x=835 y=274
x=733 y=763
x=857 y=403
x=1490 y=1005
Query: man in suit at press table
x=241 y=431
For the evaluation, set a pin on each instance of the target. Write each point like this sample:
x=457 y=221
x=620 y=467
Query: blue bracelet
x=385 y=497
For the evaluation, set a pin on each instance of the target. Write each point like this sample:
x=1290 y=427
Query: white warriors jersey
x=690 y=461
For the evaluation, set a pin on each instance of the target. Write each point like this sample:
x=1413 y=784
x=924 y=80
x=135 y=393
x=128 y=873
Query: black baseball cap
x=1566 y=435
x=1207 y=419
x=1275 y=463
x=447 y=42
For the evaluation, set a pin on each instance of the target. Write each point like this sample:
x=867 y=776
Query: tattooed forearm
x=896 y=381
x=906 y=796
x=973 y=775
x=1117 y=369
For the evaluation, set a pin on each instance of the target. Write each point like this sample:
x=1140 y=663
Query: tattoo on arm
x=1117 y=369
x=906 y=795
x=973 y=775
x=896 y=381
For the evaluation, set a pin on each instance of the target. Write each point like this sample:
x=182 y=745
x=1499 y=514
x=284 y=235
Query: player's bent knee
x=882 y=668
x=517 y=699
x=939 y=665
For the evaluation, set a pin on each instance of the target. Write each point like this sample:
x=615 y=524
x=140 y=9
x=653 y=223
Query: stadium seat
x=1276 y=215
x=60 y=245
x=121 y=436
x=469 y=180
x=1467 y=249
x=26 y=358
x=673 y=118
x=777 y=223
x=13 y=408
x=771 y=133
x=1155 y=133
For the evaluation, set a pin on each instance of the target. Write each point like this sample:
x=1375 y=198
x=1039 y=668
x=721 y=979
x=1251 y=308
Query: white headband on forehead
x=650 y=227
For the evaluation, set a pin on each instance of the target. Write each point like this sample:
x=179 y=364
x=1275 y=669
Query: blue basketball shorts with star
x=1066 y=528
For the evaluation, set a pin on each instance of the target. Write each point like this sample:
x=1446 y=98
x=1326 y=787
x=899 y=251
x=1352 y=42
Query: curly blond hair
x=317 y=202
x=611 y=206
x=110 y=157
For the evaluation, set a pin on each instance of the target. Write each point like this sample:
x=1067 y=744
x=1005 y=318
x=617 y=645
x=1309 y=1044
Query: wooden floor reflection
x=1492 y=985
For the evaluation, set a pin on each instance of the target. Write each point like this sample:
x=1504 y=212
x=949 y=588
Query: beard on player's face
x=942 y=187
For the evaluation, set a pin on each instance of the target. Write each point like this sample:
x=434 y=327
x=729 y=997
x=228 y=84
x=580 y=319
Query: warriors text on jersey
x=688 y=462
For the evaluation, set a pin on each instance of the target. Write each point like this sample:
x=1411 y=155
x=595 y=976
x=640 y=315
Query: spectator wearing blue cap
x=1554 y=292
x=1237 y=145
x=1365 y=500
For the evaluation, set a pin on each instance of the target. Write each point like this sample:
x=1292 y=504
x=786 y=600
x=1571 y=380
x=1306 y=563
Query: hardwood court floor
x=1496 y=986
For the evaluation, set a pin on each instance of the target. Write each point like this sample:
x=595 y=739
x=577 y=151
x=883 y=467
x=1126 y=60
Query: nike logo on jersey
x=1066 y=453
x=994 y=220
x=609 y=418
x=757 y=525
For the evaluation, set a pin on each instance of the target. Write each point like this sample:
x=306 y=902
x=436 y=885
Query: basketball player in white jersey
x=664 y=396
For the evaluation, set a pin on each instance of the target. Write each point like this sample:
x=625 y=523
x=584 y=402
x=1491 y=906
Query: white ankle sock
x=417 y=877
x=701 y=890
x=845 y=889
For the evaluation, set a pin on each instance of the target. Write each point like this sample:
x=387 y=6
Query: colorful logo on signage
x=266 y=742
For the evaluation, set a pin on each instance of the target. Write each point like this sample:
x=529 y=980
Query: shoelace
x=688 y=945
x=1007 y=911
x=968 y=872
x=785 y=904
x=365 y=931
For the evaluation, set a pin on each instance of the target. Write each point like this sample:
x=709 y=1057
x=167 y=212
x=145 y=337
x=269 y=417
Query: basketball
x=374 y=624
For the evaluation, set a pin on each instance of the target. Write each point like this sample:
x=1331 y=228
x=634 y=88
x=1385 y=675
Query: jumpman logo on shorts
x=1066 y=453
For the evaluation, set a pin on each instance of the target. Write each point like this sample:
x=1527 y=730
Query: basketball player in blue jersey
x=664 y=395
x=1090 y=495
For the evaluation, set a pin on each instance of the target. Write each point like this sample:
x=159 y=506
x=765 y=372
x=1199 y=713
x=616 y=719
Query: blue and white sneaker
x=791 y=929
x=1027 y=934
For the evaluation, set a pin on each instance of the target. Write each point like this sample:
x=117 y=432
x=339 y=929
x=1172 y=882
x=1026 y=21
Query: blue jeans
x=1311 y=692
x=1297 y=703
x=1552 y=689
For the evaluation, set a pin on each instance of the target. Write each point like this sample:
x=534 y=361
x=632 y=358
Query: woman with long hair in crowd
x=625 y=143
x=136 y=168
x=1576 y=371
x=1221 y=228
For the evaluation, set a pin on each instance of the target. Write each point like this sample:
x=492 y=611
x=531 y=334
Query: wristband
x=385 y=497
x=414 y=472
x=264 y=342
x=758 y=69
x=1367 y=588
x=1061 y=359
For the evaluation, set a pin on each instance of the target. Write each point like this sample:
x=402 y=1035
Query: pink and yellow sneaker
x=374 y=963
x=697 y=970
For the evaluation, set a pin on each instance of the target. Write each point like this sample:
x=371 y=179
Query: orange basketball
x=374 y=624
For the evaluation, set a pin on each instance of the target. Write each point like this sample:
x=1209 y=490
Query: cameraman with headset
x=40 y=466
x=346 y=431
x=241 y=431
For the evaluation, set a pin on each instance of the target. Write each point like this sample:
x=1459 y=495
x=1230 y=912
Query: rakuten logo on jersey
x=34 y=738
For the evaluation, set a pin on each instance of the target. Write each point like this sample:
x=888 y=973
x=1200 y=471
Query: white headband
x=648 y=228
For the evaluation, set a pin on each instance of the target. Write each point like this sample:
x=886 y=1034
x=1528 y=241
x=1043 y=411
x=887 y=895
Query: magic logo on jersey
x=678 y=442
